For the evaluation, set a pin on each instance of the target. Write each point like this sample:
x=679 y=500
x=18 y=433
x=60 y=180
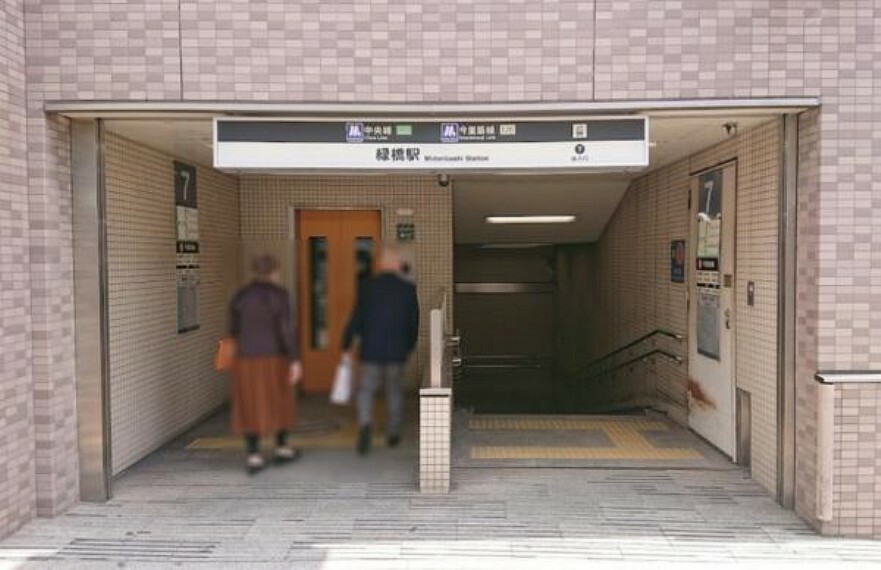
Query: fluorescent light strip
x=513 y=245
x=530 y=219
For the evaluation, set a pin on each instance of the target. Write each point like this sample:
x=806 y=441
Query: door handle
x=728 y=319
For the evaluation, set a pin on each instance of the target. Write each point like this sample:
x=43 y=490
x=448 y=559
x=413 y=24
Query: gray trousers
x=372 y=375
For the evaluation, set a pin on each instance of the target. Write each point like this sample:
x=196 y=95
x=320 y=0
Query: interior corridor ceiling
x=591 y=197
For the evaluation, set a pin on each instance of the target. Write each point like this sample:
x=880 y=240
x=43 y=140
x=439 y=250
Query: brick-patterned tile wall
x=806 y=308
x=637 y=296
x=162 y=382
x=102 y=50
x=75 y=50
x=856 y=479
x=694 y=48
x=390 y=50
x=17 y=494
x=52 y=311
x=266 y=200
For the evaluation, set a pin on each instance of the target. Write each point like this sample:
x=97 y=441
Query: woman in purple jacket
x=267 y=366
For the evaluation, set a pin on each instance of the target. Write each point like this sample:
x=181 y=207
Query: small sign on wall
x=186 y=208
x=406 y=231
x=187 y=298
x=185 y=185
x=677 y=261
x=187 y=247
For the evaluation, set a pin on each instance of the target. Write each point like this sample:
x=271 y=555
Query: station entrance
x=527 y=311
x=596 y=309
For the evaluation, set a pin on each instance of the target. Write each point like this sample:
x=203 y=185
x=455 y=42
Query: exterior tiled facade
x=17 y=494
x=511 y=50
x=385 y=51
x=806 y=304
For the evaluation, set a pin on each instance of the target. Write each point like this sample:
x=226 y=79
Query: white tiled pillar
x=435 y=426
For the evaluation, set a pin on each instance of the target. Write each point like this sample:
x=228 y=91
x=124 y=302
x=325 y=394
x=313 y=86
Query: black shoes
x=363 y=445
x=363 y=440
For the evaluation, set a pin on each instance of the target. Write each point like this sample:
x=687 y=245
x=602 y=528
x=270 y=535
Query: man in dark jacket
x=386 y=320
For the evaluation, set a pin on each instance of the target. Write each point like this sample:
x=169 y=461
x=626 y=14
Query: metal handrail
x=439 y=347
x=659 y=351
x=506 y=361
x=643 y=338
x=848 y=376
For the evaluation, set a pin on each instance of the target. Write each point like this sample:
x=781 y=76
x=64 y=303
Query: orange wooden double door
x=336 y=250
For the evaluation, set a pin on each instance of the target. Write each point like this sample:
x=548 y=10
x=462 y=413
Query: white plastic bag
x=341 y=392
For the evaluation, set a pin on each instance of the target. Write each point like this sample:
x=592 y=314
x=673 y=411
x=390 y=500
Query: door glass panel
x=364 y=254
x=709 y=241
x=708 y=326
x=710 y=216
x=318 y=299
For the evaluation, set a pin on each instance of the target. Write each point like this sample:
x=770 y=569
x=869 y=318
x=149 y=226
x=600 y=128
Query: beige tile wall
x=756 y=367
x=634 y=288
x=17 y=494
x=637 y=296
x=162 y=382
x=266 y=201
x=758 y=154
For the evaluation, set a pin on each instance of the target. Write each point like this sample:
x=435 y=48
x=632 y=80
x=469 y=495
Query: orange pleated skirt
x=263 y=401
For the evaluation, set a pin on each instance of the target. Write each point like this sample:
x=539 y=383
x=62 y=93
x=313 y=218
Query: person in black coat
x=386 y=322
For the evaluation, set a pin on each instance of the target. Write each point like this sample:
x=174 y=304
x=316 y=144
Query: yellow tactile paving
x=626 y=437
x=559 y=424
x=544 y=452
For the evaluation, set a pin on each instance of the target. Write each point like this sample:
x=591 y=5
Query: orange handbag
x=225 y=355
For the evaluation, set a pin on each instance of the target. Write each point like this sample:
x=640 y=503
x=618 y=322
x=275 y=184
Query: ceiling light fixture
x=568 y=219
x=513 y=245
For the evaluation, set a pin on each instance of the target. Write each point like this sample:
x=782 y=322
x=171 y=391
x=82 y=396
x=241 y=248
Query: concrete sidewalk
x=195 y=508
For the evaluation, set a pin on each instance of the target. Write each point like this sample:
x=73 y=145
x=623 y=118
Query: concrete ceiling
x=592 y=198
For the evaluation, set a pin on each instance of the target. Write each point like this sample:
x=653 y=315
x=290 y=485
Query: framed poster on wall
x=677 y=261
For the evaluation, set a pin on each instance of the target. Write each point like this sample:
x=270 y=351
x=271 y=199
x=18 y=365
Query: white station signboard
x=579 y=144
